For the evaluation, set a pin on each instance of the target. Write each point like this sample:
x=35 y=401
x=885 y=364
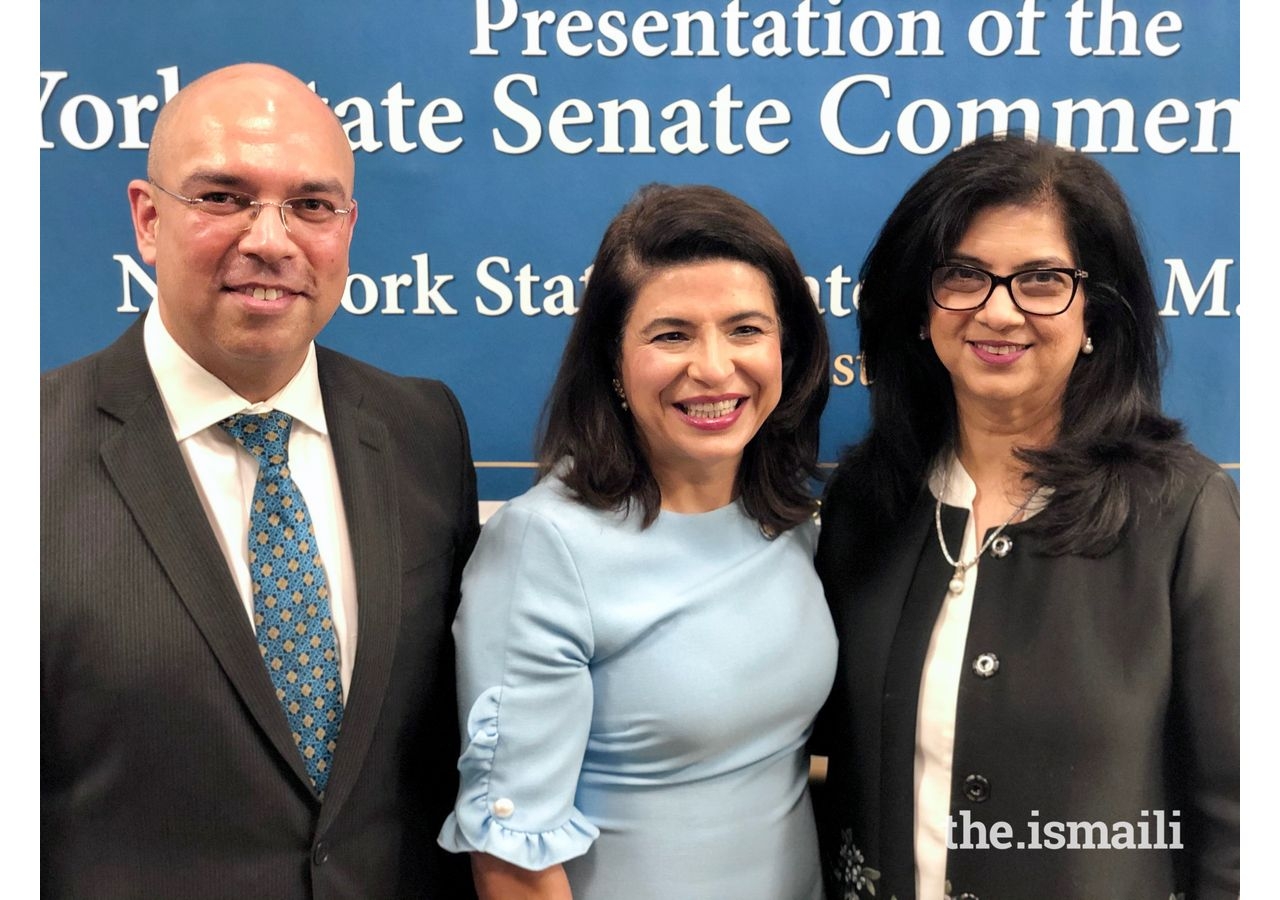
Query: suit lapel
x=366 y=470
x=147 y=468
x=924 y=575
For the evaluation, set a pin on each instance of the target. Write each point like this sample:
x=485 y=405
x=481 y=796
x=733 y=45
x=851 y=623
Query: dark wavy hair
x=1113 y=443
x=660 y=227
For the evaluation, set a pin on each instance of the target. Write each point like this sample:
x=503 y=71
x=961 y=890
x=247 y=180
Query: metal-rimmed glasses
x=1037 y=292
x=312 y=215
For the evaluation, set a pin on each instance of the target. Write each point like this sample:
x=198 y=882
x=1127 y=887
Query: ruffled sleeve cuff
x=496 y=822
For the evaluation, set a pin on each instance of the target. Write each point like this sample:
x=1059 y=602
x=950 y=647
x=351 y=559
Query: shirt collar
x=195 y=398
x=950 y=483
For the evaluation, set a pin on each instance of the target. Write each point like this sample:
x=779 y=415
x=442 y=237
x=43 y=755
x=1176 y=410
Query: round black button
x=977 y=789
x=320 y=853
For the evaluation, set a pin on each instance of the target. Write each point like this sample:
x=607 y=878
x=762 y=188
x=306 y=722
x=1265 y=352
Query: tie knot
x=265 y=435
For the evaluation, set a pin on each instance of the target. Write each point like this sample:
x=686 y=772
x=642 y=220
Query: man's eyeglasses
x=309 y=215
x=1037 y=292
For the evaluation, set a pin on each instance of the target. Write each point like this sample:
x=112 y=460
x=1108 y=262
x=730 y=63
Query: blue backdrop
x=495 y=139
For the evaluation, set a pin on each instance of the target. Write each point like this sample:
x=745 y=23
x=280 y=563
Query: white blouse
x=940 y=685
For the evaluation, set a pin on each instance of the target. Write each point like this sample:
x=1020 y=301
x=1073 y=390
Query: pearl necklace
x=956 y=584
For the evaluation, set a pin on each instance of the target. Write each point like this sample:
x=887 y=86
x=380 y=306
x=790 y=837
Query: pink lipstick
x=998 y=353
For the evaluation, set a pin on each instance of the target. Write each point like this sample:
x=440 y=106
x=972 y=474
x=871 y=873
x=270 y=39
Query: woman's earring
x=1088 y=346
x=622 y=396
x=924 y=333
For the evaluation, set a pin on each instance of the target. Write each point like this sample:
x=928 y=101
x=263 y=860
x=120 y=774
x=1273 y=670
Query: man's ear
x=142 y=206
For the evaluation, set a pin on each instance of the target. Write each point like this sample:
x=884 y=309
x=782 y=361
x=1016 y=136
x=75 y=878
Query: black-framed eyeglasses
x=1037 y=292
x=312 y=215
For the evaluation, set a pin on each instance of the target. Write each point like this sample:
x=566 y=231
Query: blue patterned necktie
x=291 y=595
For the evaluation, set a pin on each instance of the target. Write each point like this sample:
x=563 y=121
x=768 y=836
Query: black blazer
x=167 y=767
x=1095 y=690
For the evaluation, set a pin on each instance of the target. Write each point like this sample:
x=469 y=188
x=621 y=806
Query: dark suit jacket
x=1114 y=694
x=167 y=767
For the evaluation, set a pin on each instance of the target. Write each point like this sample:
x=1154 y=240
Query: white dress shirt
x=224 y=475
x=940 y=686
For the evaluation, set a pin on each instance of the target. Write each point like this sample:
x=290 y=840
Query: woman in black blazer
x=1034 y=578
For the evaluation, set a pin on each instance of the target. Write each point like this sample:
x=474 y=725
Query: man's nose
x=268 y=233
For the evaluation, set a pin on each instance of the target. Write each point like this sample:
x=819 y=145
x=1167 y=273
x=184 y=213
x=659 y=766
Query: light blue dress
x=636 y=702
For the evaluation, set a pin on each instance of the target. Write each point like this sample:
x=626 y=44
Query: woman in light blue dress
x=643 y=643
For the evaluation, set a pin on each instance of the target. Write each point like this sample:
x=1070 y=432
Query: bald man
x=250 y=547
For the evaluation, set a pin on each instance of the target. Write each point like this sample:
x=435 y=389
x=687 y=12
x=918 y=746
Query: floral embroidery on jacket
x=852 y=875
